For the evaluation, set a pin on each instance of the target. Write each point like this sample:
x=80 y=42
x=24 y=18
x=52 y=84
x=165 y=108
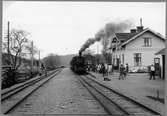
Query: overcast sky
x=63 y=27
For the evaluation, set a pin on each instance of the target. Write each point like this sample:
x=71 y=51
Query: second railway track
x=115 y=102
x=14 y=96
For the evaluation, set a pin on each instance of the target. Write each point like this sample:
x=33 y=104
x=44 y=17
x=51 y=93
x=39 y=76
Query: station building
x=137 y=48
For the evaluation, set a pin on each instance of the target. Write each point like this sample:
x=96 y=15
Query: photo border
x=1 y=27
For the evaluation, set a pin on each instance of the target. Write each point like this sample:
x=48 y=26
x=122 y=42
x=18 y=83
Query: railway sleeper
x=130 y=106
x=106 y=103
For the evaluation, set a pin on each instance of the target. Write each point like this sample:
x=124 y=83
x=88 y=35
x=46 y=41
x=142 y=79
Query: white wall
x=148 y=53
x=147 y=57
x=138 y=43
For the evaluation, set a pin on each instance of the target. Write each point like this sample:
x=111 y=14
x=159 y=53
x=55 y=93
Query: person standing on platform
x=103 y=69
x=99 y=68
x=152 y=72
x=121 y=70
x=106 y=69
x=126 y=70
x=109 y=69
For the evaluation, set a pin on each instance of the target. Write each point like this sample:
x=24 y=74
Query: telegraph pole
x=39 y=61
x=8 y=43
x=32 y=54
x=39 y=56
x=8 y=36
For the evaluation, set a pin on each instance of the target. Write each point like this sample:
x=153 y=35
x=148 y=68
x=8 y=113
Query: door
x=163 y=66
x=157 y=67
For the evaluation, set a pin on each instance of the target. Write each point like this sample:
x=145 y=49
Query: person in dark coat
x=126 y=70
x=152 y=72
x=103 y=69
x=122 y=71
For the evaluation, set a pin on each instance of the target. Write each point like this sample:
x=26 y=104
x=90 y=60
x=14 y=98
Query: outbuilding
x=162 y=53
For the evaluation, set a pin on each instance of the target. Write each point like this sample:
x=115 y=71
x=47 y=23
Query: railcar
x=78 y=65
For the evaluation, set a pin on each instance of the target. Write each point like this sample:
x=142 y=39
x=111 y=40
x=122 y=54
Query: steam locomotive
x=78 y=65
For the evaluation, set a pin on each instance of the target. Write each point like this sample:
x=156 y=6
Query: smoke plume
x=109 y=29
x=123 y=26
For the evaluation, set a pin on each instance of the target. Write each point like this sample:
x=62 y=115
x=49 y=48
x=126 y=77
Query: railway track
x=115 y=102
x=12 y=97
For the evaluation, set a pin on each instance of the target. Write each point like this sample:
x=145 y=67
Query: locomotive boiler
x=78 y=65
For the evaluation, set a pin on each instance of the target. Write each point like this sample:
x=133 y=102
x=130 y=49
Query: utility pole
x=39 y=56
x=32 y=54
x=8 y=42
x=39 y=62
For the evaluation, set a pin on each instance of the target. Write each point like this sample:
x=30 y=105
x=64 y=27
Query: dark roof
x=125 y=36
x=161 y=52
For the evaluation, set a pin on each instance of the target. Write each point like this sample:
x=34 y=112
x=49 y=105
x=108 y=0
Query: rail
x=24 y=89
x=115 y=102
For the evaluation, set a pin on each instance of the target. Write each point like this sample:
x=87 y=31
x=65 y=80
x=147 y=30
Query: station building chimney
x=140 y=28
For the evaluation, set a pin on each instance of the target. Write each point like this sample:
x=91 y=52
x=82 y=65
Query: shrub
x=9 y=78
x=32 y=74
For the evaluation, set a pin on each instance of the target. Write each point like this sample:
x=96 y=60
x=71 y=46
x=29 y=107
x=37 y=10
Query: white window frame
x=135 y=59
x=147 y=41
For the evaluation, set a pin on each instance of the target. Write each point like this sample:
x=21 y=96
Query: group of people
x=123 y=71
x=105 y=69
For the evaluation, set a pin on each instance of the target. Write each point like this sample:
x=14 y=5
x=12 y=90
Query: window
x=137 y=59
x=147 y=41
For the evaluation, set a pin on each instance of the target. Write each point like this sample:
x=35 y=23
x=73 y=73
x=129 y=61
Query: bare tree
x=18 y=42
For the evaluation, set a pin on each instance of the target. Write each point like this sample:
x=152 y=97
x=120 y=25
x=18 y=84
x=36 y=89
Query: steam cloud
x=109 y=29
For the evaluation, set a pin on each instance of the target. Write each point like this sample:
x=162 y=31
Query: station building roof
x=161 y=52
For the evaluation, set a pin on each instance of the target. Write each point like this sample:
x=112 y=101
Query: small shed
x=162 y=52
